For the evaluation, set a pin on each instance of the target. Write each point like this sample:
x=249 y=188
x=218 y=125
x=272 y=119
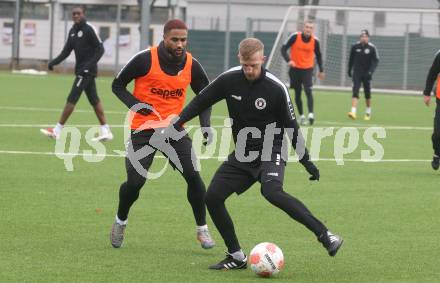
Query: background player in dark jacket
x=304 y=46
x=363 y=61
x=261 y=112
x=434 y=71
x=88 y=48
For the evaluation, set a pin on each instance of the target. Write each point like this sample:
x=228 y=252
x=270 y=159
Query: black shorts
x=239 y=176
x=361 y=78
x=301 y=77
x=186 y=162
x=83 y=83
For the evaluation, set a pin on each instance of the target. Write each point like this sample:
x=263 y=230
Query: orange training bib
x=164 y=92
x=303 y=53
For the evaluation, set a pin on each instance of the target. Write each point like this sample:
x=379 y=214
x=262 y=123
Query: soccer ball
x=266 y=259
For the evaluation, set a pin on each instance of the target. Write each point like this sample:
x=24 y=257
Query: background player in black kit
x=363 y=61
x=434 y=71
x=255 y=98
x=88 y=48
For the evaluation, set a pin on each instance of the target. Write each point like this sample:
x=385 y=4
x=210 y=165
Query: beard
x=176 y=55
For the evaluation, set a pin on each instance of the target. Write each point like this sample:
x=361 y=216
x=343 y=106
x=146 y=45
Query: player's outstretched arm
x=138 y=66
x=210 y=95
x=431 y=78
x=96 y=42
x=67 y=49
x=351 y=61
x=286 y=46
x=199 y=80
x=374 y=62
x=318 y=56
x=298 y=143
x=291 y=126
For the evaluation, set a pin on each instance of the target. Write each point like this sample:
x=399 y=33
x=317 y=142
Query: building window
x=159 y=15
x=130 y=14
x=35 y=11
x=108 y=13
x=379 y=19
x=97 y=13
x=340 y=17
x=104 y=33
x=32 y=11
x=7 y=33
x=124 y=37
x=7 y=9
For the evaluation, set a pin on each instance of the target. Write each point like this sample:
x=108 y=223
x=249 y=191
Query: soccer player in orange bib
x=304 y=47
x=161 y=76
x=430 y=80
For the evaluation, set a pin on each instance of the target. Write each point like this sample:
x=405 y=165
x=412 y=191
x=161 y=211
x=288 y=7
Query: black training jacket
x=88 y=48
x=250 y=104
x=364 y=58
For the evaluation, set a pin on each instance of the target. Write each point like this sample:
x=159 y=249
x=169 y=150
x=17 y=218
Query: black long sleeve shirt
x=250 y=104
x=140 y=65
x=364 y=58
x=432 y=75
x=291 y=40
x=88 y=48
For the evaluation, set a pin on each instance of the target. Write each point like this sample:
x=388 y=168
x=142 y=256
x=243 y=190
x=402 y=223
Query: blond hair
x=249 y=46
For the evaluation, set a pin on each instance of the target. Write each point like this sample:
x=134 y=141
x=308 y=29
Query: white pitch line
x=48 y=153
x=12 y=125
x=331 y=123
x=374 y=161
x=51 y=125
x=77 y=126
x=20 y=108
x=364 y=126
x=18 y=152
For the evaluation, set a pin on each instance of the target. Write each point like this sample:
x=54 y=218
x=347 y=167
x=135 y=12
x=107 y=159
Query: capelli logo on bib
x=168 y=93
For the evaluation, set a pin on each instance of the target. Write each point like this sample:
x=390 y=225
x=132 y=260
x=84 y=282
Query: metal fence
x=406 y=50
x=406 y=41
x=42 y=38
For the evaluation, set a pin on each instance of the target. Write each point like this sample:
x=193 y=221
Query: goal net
x=406 y=40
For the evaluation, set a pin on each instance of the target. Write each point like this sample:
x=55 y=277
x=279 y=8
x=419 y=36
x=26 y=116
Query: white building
x=35 y=34
x=35 y=27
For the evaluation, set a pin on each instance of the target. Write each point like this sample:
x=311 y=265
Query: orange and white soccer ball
x=266 y=259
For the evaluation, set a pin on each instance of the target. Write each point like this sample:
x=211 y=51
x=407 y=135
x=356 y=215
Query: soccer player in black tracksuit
x=304 y=48
x=88 y=48
x=431 y=78
x=255 y=98
x=363 y=61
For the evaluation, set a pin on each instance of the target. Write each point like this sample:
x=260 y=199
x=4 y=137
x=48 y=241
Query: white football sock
x=120 y=222
x=57 y=129
x=105 y=129
x=202 y=228
x=311 y=115
x=368 y=111
x=353 y=110
x=238 y=255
